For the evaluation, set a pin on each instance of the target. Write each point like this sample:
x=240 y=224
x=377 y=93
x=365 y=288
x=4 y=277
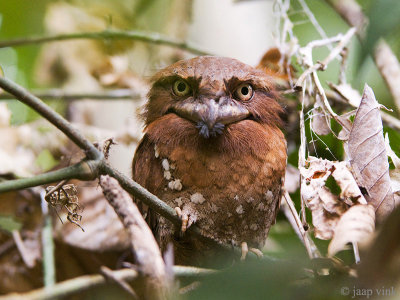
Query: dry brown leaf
x=324 y=222
x=355 y=226
x=327 y=208
x=320 y=122
x=366 y=149
x=349 y=188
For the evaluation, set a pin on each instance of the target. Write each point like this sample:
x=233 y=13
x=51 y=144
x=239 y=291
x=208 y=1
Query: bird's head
x=209 y=94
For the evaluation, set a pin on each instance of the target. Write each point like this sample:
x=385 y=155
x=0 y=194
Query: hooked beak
x=211 y=116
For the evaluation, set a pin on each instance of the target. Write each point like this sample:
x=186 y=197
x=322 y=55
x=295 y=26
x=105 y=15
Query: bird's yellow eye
x=244 y=92
x=181 y=88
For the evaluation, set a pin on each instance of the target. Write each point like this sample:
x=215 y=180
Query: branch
x=384 y=58
x=38 y=105
x=145 y=249
x=83 y=283
x=84 y=170
x=343 y=41
x=51 y=94
x=149 y=37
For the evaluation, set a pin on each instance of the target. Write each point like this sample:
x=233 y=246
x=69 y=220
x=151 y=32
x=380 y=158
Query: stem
x=83 y=283
x=84 y=170
x=49 y=268
x=38 y=105
x=51 y=94
x=149 y=37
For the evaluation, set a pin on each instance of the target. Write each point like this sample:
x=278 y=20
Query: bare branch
x=343 y=41
x=314 y=21
x=58 y=94
x=84 y=170
x=149 y=37
x=389 y=66
x=87 y=282
x=144 y=246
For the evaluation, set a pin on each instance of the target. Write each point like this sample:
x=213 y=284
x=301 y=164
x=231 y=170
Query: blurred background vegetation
x=241 y=29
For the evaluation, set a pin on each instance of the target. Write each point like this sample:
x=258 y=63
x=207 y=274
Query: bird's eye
x=244 y=92
x=181 y=88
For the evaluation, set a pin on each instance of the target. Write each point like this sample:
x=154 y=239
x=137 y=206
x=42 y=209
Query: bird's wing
x=147 y=171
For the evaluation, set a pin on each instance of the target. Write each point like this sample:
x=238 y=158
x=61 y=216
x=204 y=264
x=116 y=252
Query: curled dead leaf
x=327 y=208
x=366 y=149
x=355 y=226
x=320 y=121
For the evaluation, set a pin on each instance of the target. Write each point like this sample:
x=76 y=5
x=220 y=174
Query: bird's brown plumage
x=229 y=183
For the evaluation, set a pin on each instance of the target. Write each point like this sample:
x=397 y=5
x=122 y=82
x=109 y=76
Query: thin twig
x=314 y=21
x=343 y=41
x=384 y=58
x=109 y=274
x=49 y=268
x=311 y=248
x=58 y=94
x=343 y=65
x=149 y=37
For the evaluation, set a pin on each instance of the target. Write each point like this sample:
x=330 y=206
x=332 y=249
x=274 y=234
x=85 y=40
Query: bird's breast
x=234 y=197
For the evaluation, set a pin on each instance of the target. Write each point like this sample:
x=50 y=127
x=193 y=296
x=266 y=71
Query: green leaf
x=8 y=223
x=45 y=160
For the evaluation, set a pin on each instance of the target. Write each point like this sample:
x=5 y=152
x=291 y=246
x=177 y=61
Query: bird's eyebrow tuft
x=168 y=80
x=256 y=81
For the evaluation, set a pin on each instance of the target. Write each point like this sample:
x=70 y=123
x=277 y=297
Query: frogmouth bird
x=213 y=150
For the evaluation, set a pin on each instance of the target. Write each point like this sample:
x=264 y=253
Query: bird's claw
x=186 y=218
x=246 y=249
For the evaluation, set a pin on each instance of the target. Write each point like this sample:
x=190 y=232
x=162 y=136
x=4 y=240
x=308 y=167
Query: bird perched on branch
x=213 y=149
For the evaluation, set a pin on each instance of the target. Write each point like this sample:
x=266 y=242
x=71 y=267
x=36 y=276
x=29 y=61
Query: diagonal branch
x=149 y=37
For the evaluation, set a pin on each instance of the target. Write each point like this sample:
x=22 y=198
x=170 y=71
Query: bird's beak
x=211 y=116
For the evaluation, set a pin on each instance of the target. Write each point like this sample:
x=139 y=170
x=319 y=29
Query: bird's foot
x=246 y=249
x=187 y=217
